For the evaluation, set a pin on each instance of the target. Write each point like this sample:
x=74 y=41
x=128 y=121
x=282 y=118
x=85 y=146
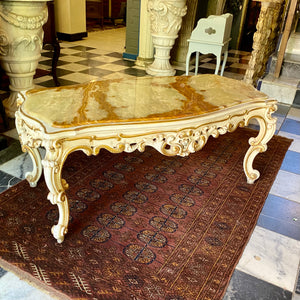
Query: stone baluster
x=21 y=41
x=165 y=19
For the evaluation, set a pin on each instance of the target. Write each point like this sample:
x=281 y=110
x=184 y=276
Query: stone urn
x=165 y=19
x=21 y=42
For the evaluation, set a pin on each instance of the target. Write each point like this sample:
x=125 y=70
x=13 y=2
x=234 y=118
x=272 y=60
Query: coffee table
x=175 y=115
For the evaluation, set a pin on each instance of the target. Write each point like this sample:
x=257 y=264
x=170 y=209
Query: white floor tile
x=74 y=67
x=42 y=79
x=112 y=67
x=271 y=257
x=99 y=51
x=12 y=288
x=79 y=77
x=116 y=75
x=208 y=66
x=287 y=185
x=69 y=51
x=295 y=146
x=234 y=75
x=20 y=165
x=106 y=59
x=240 y=66
x=296 y=297
x=70 y=58
x=294 y=113
x=107 y=40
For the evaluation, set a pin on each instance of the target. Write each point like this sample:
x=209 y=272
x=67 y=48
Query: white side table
x=211 y=35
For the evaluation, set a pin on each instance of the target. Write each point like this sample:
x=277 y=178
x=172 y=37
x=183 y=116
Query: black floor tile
x=246 y=287
x=297 y=289
x=50 y=54
x=62 y=72
x=291 y=162
x=49 y=83
x=281 y=216
x=81 y=48
x=115 y=54
x=11 y=151
x=282 y=110
x=179 y=72
x=236 y=70
x=235 y=55
x=291 y=126
x=3 y=142
x=64 y=82
x=2 y=272
x=202 y=70
x=48 y=62
x=134 y=72
x=279 y=226
x=127 y=63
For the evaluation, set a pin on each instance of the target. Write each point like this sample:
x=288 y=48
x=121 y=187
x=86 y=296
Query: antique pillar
x=180 y=49
x=21 y=41
x=264 y=39
x=145 y=55
x=165 y=19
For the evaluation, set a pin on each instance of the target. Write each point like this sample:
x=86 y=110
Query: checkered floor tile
x=78 y=64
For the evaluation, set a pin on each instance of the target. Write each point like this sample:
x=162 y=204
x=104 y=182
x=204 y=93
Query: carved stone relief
x=21 y=41
x=264 y=39
x=165 y=19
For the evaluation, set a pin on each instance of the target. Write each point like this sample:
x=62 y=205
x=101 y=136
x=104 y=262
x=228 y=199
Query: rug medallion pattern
x=142 y=225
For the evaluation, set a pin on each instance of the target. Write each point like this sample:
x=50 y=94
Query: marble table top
x=136 y=99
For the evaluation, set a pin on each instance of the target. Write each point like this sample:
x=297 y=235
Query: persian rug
x=142 y=225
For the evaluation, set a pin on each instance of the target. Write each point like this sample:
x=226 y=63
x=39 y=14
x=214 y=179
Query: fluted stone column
x=145 y=56
x=21 y=42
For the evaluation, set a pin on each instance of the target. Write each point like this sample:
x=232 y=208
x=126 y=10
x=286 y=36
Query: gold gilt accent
x=80 y=283
x=170 y=136
x=40 y=273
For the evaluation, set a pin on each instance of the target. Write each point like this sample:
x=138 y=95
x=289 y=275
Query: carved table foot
x=259 y=144
x=57 y=187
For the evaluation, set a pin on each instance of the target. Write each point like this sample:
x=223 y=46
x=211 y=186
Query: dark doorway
x=250 y=25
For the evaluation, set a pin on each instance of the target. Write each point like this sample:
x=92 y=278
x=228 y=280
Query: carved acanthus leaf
x=26 y=43
x=165 y=17
x=4 y=44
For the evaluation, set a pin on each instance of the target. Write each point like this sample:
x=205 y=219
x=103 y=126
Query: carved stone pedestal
x=21 y=41
x=166 y=17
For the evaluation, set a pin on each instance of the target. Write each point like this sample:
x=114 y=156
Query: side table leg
x=57 y=187
x=224 y=62
x=257 y=145
x=56 y=54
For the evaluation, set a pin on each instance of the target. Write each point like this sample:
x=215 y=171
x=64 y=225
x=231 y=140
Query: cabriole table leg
x=258 y=144
x=57 y=187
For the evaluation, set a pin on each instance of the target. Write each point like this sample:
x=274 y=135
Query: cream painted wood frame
x=170 y=137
